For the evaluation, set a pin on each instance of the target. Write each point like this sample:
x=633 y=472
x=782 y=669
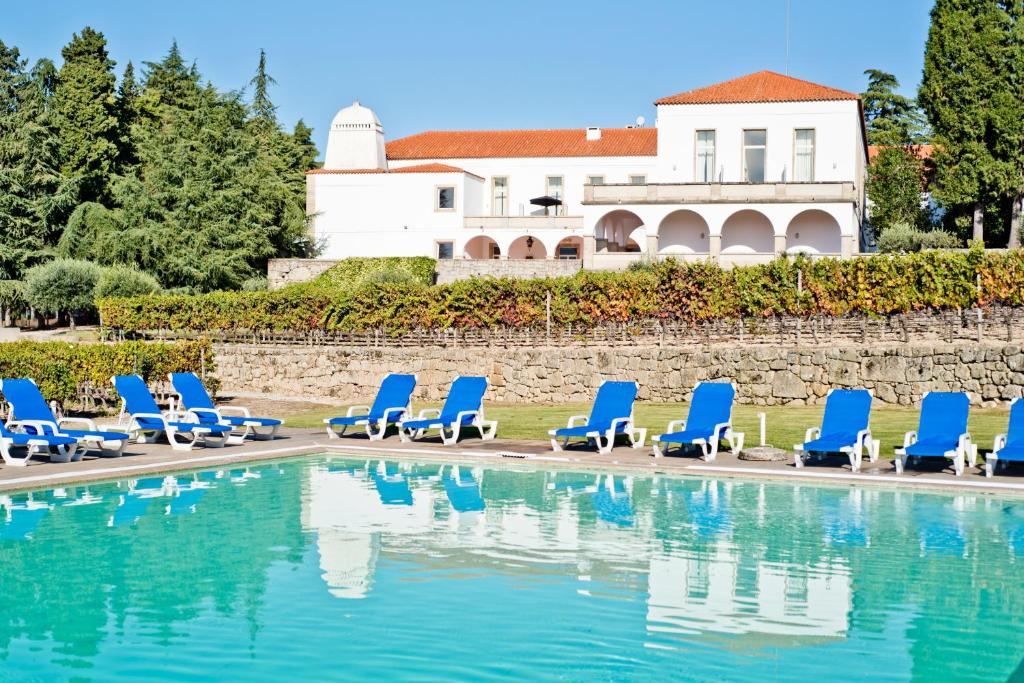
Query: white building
x=738 y=172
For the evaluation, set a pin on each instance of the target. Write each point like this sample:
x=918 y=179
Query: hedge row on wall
x=876 y=285
x=354 y=272
x=60 y=367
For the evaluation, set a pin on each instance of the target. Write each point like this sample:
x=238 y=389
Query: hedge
x=352 y=273
x=877 y=285
x=60 y=367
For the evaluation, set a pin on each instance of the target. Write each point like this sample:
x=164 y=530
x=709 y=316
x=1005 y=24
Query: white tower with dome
x=356 y=140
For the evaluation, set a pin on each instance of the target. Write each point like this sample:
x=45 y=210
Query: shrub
x=12 y=297
x=940 y=239
x=900 y=237
x=351 y=273
x=255 y=284
x=63 y=285
x=122 y=281
x=60 y=367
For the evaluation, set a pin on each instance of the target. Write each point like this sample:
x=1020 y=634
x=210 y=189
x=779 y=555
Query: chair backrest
x=27 y=402
x=133 y=391
x=1015 y=430
x=943 y=416
x=395 y=392
x=614 y=400
x=466 y=393
x=191 y=390
x=711 y=405
x=847 y=411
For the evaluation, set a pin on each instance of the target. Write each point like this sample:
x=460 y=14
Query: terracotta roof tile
x=763 y=86
x=418 y=168
x=480 y=144
x=923 y=152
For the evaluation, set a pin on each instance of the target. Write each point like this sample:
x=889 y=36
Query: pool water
x=335 y=569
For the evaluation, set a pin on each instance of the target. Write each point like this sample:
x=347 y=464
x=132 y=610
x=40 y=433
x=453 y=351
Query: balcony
x=720 y=193
x=523 y=223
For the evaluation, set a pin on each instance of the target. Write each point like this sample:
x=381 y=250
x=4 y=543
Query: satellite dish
x=640 y=121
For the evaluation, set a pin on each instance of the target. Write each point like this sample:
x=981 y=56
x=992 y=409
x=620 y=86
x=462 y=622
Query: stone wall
x=897 y=374
x=461 y=269
x=287 y=271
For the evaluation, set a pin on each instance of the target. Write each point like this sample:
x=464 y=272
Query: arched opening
x=614 y=229
x=683 y=232
x=748 y=232
x=481 y=247
x=527 y=247
x=814 y=232
x=569 y=248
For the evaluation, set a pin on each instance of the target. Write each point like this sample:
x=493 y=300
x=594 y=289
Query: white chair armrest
x=466 y=413
x=42 y=427
x=999 y=442
x=364 y=410
x=720 y=429
x=574 y=419
x=241 y=411
x=90 y=425
x=148 y=416
x=620 y=420
x=812 y=434
x=909 y=439
x=390 y=411
x=676 y=426
x=427 y=413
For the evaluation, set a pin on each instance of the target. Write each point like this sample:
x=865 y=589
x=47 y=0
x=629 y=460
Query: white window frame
x=641 y=176
x=437 y=198
x=437 y=248
x=591 y=177
x=814 y=154
x=714 y=154
x=560 y=209
x=743 y=154
x=494 y=194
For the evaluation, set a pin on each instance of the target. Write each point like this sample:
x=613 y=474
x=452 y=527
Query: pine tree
x=263 y=110
x=891 y=118
x=126 y=108
x=85 y=116
x=962 y=70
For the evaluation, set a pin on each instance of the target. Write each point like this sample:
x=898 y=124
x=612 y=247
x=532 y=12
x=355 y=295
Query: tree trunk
x=1015 y=210
x=979 y=222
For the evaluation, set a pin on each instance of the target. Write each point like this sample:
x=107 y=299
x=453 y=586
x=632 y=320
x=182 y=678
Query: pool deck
x=148 y=459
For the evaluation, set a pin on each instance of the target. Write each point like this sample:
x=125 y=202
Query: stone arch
x=527 y=247
x=616 y=227
x=569 y=243
x=748 y=232
x=684 y=232
x=481 y=247
x=814 y=232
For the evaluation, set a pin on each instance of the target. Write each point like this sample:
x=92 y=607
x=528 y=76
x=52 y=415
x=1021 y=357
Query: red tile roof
x=418 y=168
x=763 y=86
x=922 y=152
x=480 y=144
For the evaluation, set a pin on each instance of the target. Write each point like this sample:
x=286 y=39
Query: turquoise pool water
x=338 y=569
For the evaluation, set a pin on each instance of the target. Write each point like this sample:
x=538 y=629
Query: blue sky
x=457 y=65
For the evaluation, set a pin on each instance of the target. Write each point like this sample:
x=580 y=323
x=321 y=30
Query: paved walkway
x=148 y=459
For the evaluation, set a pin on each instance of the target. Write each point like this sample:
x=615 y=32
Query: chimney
x=593 y=133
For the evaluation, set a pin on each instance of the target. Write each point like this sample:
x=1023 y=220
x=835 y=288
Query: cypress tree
x=126 y=107
x=85 y=116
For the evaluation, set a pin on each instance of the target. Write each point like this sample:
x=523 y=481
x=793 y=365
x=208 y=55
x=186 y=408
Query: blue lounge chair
x=141 y=417
x=941 y=432
x=463 y=408
x=58 y=448
x=391 y=483
x=708 y=421
x=29 y=409
x=611 y=415
x=393 y=402
x=462 y=490
x=1008 y=447
x=844 y=429
x=611 y=501
x=195 y=399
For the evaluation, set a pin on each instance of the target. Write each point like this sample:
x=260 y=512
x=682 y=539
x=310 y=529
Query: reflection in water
x=315 y=564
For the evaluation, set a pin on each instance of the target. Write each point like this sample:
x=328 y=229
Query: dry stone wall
x=898 y=374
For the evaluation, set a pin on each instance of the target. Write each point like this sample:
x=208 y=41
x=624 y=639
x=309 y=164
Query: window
x=637 y=180
x=705 y=151
x=803 y=155
x=595 y=180
x=445 y=198
x=445 y=251
x=568 y=252
x=555 y=183
x=499 y=196
x=754 y=147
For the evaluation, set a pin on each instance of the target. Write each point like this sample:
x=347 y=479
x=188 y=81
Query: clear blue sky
x=461 y=65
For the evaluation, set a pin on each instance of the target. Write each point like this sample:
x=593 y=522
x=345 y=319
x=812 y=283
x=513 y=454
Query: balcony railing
x=715 y=193
x=523 y=222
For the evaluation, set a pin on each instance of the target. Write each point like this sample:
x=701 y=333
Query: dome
x=355 y=116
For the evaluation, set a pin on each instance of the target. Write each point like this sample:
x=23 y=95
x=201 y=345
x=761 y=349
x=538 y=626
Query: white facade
x=734 y=181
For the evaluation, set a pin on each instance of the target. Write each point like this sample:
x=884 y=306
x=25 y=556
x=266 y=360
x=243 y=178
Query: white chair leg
x=798 y=459
x=172 y=439
x=657 y=449
x=991 y=460
x=900 y=462
x=555 y=445
x=638 y=442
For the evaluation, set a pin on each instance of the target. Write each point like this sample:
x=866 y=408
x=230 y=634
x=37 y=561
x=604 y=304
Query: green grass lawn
x=785 y=424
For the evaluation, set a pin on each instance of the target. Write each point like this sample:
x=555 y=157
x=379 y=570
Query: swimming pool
x=331 y=568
